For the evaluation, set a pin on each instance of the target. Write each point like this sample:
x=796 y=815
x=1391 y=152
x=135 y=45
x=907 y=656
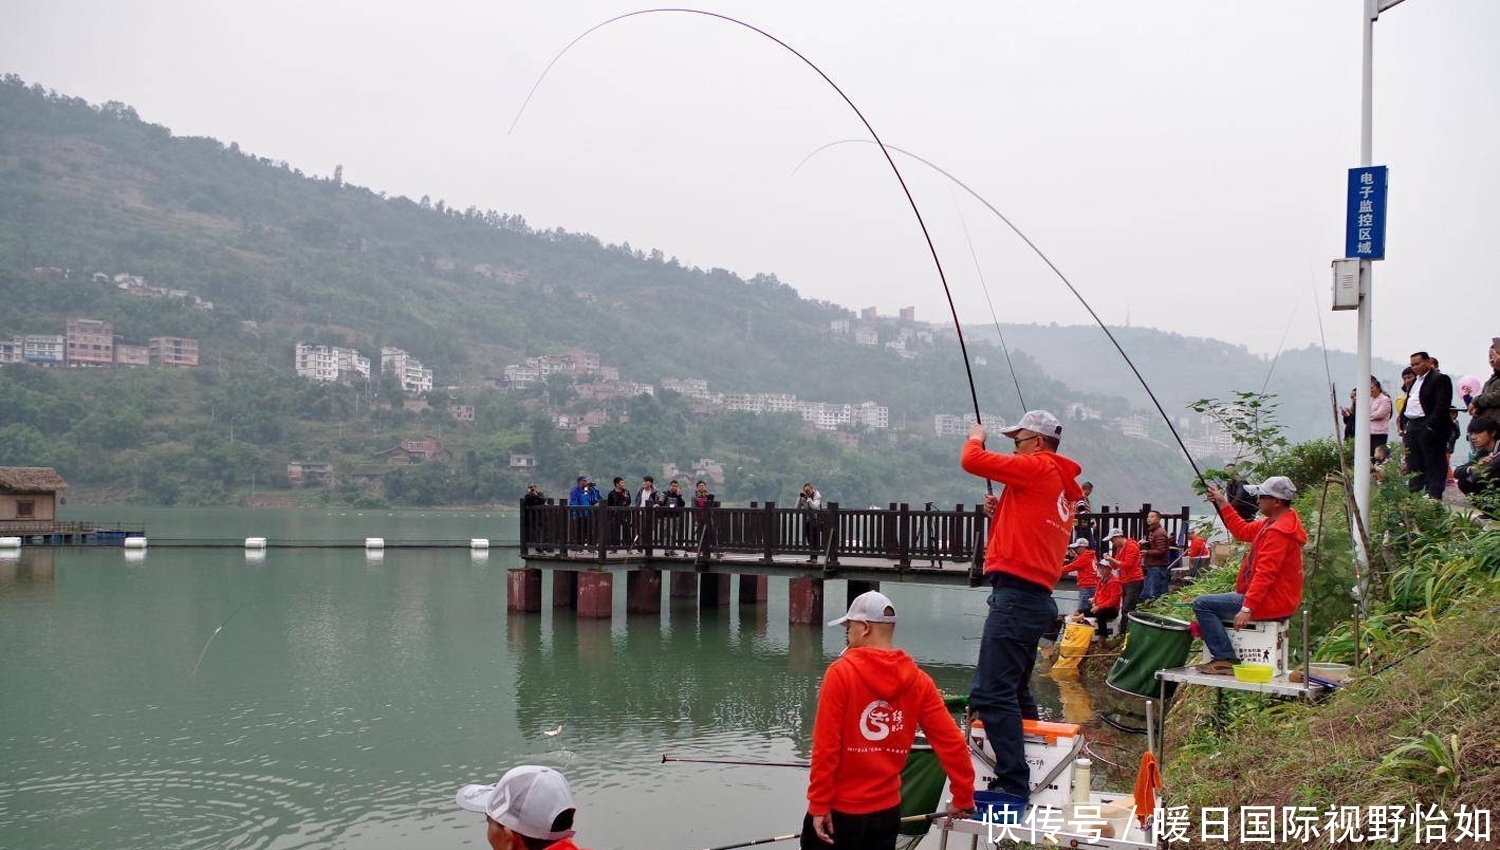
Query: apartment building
x=44 y=348
x=414 y=377
x=132 y=355
x=11 y=350
x=328 y=363
x=173 y=351
x=90 y=342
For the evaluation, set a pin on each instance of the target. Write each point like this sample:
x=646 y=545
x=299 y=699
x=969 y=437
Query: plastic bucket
x=1073 y=646
x=998 y=807
x=1154 y=643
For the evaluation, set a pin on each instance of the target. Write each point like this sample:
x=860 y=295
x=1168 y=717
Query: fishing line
x=1296 y=305
x=979 y=270
x=932 y=249
x=1055 y=270
x=214 y=635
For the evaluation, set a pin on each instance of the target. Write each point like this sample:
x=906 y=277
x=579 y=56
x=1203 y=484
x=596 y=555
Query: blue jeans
x=1158 y=582
x=1213 y=610
x=1086 y=599
x=1001 y=692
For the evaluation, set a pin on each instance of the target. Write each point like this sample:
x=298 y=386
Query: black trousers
x=1427 y=455
x=873 y=831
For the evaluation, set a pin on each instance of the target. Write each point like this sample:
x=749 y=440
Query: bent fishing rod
x=1055 y=270
x=669 y=758
x=931 y=248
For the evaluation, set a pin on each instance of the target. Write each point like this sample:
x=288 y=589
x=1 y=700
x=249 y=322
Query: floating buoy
x=135 y=543
x=10 y=542
x=479 y=543
x=374 y=542
x=255 y=542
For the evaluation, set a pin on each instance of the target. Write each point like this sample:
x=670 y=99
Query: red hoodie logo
x=1065 y=508
x=879 y=720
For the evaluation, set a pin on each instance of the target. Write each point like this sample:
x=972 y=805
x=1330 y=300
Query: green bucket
x=921 y=786
x=1154 y=643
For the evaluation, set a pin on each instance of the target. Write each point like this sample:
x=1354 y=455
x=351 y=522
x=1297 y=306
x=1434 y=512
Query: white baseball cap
x=869 y=607
x=1080 y=543
x=1115 y=532
x=526 y=800
x=1037 y=421
x=1277 y=486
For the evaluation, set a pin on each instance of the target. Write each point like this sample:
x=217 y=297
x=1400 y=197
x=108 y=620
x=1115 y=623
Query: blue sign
x=1364 y=229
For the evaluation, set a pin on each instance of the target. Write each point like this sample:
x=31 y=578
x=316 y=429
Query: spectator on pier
x=1031 y=524
x=622 y=529
x=1082 y=567
x=669 y=527
x=1487 y=402
x=529 y=518
x=1125 y=560
x=647 y=496
x=530 y=808
x=581 y=500
x=1428 y=426
x=1483 y=474
x=1156 y=557
x=1408 y=377
x=810 y=507
x=870 y=705
x=1269 y=586
x=703 y=520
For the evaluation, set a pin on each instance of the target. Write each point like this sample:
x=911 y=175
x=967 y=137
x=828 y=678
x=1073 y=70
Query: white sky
x=1183 y=161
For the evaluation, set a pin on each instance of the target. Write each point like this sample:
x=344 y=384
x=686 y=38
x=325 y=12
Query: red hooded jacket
x=869 y=708
x=1129 y=559
x=1271 y=575
x=1083 y=565
x=1033 y=524
x=1107 y=597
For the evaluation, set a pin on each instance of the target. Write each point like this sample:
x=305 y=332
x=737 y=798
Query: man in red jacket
x=1270 y=583
x=1031 y=524
x=1082 y=566
x=1126 y=560
x=873 y=699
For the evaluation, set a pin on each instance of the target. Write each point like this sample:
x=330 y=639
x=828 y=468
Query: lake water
x=344 y=699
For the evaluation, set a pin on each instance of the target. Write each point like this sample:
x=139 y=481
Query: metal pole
x=1366 y=274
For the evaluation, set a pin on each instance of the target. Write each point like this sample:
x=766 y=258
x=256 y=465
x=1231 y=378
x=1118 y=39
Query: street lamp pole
x=1372 y=10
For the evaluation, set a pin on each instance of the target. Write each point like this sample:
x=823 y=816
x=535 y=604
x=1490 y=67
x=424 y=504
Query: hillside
x=286 y=257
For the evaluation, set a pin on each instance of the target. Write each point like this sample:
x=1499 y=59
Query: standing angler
x=1030 y=528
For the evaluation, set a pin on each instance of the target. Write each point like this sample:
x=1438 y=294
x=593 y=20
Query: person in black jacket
x=669 y=523
x=532 y=519
x=620 y=524
x=703 y=520
x=1427 y=427
x=1483 y=475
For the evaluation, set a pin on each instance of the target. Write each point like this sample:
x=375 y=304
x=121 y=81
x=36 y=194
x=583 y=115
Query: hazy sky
x=1183 y=161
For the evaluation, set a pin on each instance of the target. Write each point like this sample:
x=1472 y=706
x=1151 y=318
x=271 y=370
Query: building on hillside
x=44 y=348
x=132 y=355
x=328 y=363
x=522 y=376
x=522 y=461
x=173 y=351
x=949 y=425
x=869 y=314
x=690 y=387
x=461 y=412
x=90 y=342
x=29 y=495
x=872 y=416
x=866 y=336
x=838 y=327
x=371 y=480
x=303 y=473
x=414 y=377
x=415 y=451
x=908 y=314
x=581 y=362
x=12 y=350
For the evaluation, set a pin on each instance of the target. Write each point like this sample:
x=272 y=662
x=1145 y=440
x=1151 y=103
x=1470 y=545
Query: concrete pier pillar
x=805 y=602
x=684 y=585
x=643 y=592
x=754 y=590
x=856 y=588
x=564 y=590
x=523 y=591
x=595 y=595
x=713 y=590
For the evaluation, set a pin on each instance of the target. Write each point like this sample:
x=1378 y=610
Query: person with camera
x=810 y=507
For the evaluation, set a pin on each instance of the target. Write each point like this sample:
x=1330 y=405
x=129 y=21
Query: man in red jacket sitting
x=1030 y=527
x=873 y=699
x=530 y=808
x=1269 y=586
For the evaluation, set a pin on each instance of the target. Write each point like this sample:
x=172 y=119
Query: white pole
x=1366 y=273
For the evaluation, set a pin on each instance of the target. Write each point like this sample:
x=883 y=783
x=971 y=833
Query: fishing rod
x=931 y=248
x=979 y=270
x=791 y=835
x=1055 y=270
x=802 y=764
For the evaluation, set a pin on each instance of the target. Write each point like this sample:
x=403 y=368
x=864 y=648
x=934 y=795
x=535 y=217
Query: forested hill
x=285 y=257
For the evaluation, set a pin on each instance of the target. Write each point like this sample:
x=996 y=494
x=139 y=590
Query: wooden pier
x=69 y=532
x=704 y=551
